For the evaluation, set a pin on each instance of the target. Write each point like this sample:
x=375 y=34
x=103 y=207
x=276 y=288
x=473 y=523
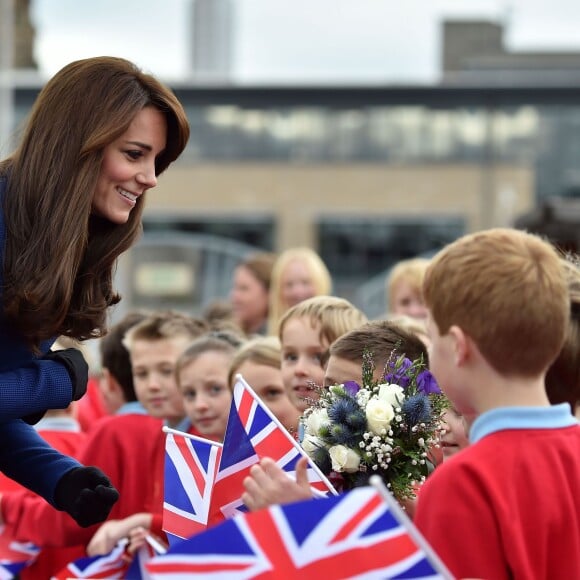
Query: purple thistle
x=400 y=372
x=351 y=388
x=427 y=384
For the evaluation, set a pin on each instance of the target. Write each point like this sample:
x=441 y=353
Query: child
x=129 y=446
x=404 y=288
x=381 y=338
x=259 y=362
x=563 y=378
x=454 y=437
x=298 y=274
x=306 y=331
x=201 y=373
x=268 y=484
x=507 y=506
x=202 y=377
x=116 y=378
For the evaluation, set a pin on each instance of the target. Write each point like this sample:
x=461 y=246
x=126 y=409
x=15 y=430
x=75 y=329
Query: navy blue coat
x=28 y=385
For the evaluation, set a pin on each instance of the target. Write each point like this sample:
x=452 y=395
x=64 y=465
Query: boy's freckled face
x=340 y=370
x=303 y=351
x=153 y=363
x=438 y=352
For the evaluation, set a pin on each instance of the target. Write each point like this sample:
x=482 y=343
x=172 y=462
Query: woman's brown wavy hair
x=59 y=258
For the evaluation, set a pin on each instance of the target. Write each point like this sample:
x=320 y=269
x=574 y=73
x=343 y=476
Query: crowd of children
x=502 y=338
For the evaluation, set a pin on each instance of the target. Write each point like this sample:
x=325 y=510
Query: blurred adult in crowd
x=405 y=288
x=298 y=274
x=250 y=292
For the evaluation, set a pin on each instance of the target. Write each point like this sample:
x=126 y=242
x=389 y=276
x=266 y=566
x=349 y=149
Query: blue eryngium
x=417 y=409
x=339 y=411
x=342 y=434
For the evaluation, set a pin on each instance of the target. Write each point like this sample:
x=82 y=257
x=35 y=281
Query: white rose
x=310 y=444
x=379 y=415
x=344 y=459
x=315 y=420
x=392 y=394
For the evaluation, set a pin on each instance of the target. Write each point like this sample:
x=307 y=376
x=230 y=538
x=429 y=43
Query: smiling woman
x=71 y=199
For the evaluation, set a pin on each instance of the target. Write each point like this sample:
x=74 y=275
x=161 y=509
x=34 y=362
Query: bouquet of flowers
x=383 y=427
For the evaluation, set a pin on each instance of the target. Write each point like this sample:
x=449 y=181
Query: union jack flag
x=352 y=535
x=191 y=465
x=137 y=569
x=253 y=433
x=112 y=565
x=14 y=556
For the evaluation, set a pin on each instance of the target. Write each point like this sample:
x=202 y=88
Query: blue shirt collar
x=184 y=425
x=504 y=418
x=68 y=424
x=131 y=408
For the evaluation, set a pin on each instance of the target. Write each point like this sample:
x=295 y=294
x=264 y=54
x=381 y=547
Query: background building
x=366 y=175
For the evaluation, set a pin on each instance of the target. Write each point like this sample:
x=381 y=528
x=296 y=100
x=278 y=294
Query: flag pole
x=403 y=518
x=240 y=379
x=158 y=547
x=169 y=430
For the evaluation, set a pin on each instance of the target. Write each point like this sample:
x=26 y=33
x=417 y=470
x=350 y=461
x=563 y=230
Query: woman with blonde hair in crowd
x=250 y=292
x=404 y=288
x=298 y=274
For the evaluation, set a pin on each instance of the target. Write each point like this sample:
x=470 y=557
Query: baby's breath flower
x=385 y=427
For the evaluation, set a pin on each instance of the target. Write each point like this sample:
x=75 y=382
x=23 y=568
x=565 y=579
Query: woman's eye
x=134 y=154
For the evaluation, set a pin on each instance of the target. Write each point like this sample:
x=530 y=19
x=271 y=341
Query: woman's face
x=128 y=166
x=249 y=298
x=408 y=301
x=297 y=284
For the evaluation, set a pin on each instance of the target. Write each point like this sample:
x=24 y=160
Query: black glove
x=86 y=494
x=77 y=368
x=34 y=418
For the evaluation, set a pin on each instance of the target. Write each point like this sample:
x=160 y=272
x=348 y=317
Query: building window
x=359 y=251
x=258 y=231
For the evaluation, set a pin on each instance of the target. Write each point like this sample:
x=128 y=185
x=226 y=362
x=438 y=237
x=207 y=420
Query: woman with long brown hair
x=71 y=199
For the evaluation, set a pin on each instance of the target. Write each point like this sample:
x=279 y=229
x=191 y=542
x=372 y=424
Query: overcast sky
x=382 y=41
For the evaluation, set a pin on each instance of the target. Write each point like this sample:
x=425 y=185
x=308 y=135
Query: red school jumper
x=64 y=435
x=127 y=449
x=509 y=505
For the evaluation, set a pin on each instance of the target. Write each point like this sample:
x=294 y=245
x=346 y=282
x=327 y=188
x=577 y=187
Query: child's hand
x=106 y=538
x=137 y=539
x=268 y=484
x=140 y=536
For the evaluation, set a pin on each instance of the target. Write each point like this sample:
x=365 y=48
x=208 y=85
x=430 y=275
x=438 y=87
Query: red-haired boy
x=508 y=505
